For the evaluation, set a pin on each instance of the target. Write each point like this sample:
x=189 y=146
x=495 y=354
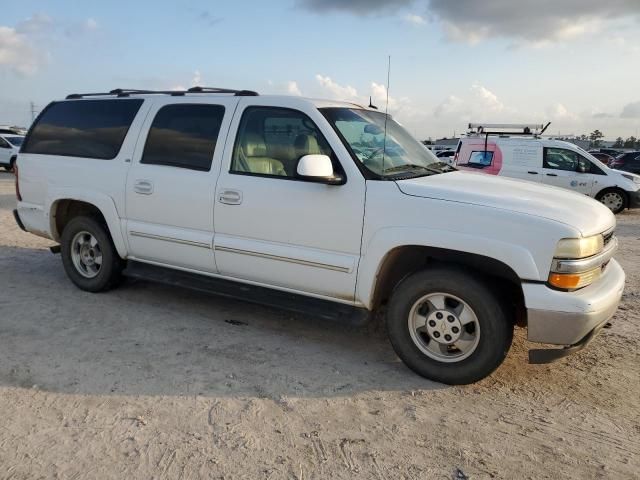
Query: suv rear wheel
x=88 y=255
x=446 y=325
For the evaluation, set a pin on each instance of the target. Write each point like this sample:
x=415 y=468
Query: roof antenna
x=386 y=114
x=371 y=105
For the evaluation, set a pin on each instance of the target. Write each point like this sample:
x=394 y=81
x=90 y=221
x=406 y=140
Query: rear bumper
x=572 y=318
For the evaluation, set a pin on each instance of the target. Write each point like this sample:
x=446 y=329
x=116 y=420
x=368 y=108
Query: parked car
x=446 y=155
x=610 y=151
x=604 y=158
x=552 y=162
x=9 y=147
x=318 y=206
x=629 y=162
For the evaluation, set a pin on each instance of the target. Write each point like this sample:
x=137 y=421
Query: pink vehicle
x=519 y=151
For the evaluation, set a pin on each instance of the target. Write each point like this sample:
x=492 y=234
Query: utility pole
x=33 y=111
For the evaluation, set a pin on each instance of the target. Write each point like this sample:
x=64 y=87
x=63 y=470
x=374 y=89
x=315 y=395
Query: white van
x=552 y=162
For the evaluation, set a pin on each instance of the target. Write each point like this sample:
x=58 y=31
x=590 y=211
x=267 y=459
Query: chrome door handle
x=230 y=197
x=144 y=187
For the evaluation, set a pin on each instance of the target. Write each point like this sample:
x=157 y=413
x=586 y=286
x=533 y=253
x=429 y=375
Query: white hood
x=579 y=211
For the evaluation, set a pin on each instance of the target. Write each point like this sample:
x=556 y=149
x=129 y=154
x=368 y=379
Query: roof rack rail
x=127 y=92
x=534 y=129
x=526 y=129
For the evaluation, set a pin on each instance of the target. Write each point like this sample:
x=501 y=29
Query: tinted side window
x=4 y=143
x=82 y=128
x=271 y=141
x=184 y=135
x=560 y=159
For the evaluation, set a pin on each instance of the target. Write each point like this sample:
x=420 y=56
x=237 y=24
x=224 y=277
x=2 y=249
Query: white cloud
x=558 y=111
x=91 y=24
x=196 y=81
x=414 y=19
x=487 y=98
x=17 y=53
x=631 y=110
x=478 y=104
x=549 y=21
x=36 y=24
x=335 y=90
x=451 y=105
x=293 y=89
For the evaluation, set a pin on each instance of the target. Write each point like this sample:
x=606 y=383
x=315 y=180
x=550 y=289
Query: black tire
x=624 y=201
x=12 y=163
x=495 y=328
x=109 y=274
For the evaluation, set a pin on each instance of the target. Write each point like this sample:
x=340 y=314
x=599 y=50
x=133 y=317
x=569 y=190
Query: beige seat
x=306 y=145
x=253 y=157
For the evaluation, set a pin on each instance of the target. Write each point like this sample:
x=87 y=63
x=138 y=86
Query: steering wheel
x=373 y=154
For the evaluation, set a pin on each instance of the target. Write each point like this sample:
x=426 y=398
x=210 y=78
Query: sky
x=575 y=63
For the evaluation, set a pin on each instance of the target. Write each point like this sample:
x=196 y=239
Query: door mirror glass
x=318 y=168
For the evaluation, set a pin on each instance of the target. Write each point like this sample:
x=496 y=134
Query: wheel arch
x=65 y=207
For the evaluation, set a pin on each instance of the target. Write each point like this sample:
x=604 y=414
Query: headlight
x=573 y=281
x=579 y=247
x=634 y=178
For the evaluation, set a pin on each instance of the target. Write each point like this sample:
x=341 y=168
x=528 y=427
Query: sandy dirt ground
x=149 y=381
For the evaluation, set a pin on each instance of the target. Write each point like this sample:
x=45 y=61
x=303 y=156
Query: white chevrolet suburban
x=319 y=206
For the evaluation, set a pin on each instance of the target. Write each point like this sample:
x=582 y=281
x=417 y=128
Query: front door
x=274 y=228
x=560 y=167
x=171 y=182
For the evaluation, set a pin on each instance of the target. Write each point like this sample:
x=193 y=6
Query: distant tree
x=583 y=137
x=619 y=143
x=631 y=142
x=595 y=138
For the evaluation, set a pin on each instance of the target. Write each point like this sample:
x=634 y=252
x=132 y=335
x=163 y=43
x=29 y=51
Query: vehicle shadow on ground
x=150 y=339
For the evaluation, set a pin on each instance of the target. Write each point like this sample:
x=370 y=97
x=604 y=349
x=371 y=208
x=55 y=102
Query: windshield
x=388 y=155
x=15 y=141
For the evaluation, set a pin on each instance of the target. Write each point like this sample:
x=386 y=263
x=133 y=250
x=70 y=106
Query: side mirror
x=319 y=169
x=583 y=167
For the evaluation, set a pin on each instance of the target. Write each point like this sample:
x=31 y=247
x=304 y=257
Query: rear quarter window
x=82 y=128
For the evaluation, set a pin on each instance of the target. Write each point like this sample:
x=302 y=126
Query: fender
x=102 y=202
x=385 y=240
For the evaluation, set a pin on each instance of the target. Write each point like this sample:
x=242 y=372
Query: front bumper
x=572 y=318
x=634 y=199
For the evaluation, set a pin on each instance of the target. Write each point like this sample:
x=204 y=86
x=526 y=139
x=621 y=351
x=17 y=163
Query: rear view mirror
x=319 y=169
x=373 y=129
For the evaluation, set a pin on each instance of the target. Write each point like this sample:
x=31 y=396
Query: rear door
x=522 y=159
x=170 y=185
x=560 y=168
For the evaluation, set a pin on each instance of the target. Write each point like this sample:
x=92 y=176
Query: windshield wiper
x=442 y=167
x=409 y=166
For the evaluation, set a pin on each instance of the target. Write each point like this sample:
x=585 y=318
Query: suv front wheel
x=446 y=325
x=88 y=255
